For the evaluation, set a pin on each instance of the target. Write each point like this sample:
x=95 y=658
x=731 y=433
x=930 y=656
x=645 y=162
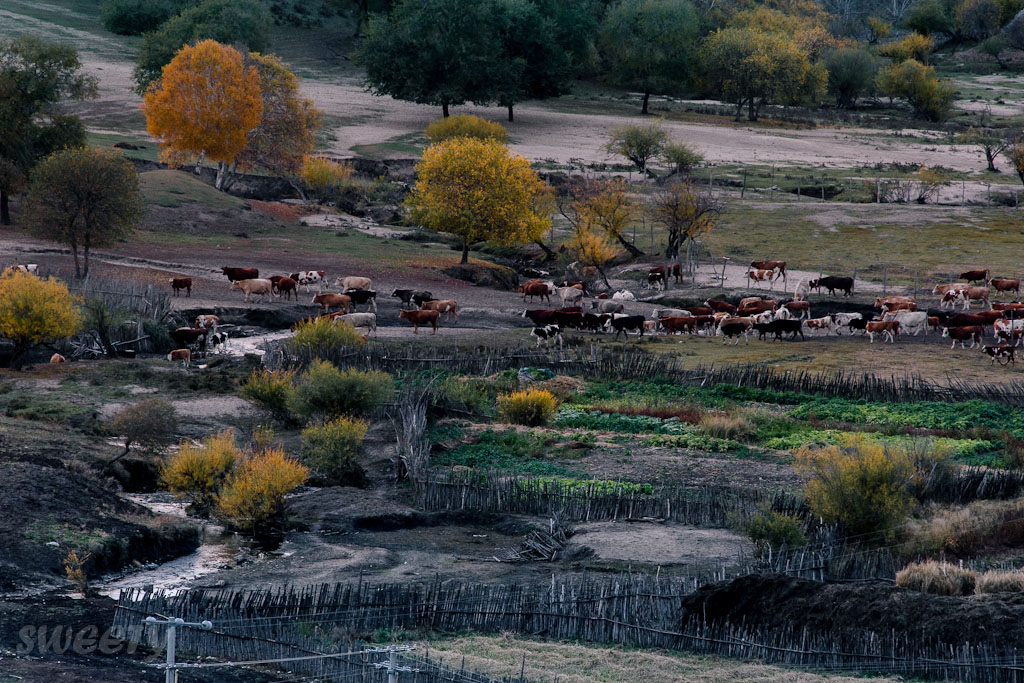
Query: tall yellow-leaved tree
x=35 y=311
x=479 y=190
x=204 y=105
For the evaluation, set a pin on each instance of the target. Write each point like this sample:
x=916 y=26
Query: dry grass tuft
x=937 y=578
x=727 y=426
x=1001 y=582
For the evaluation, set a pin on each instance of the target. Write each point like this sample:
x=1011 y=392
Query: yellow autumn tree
x=36 y=311
x=479 y=190
x=204 y=105
x=603 y=206
x=594 y=248
x=253 y=497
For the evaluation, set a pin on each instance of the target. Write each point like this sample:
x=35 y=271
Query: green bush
x=324 y=391
x=271 y=391
x=697 y=442
x=683 y=158
x=149 y=424
x=323 y=334
x=465 y=126
x=330 y=450
x=776 y=530
x=937 y=578
x=532 y=407
x=931 y=97
x=510 y=450
x=135 y=17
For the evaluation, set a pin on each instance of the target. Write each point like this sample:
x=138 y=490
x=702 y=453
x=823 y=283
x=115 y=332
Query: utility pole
x=172 y=624
x=392 y=664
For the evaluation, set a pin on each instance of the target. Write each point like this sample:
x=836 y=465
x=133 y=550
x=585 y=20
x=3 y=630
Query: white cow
x=623 y=295
x=570 y=296
x=916 y=321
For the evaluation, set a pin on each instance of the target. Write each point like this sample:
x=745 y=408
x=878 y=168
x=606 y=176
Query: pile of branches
x=541 y=545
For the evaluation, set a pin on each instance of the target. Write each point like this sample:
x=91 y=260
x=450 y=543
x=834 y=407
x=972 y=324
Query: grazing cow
x=825 y=323
x=327 y=301
x=184 y=355
x=307 y=278
x=258 y=287
x=832 y=283
x=889 y=329
x=800 y=309
x=547 y=334
x=534 y=288
x=677 y=273
x=418 y=318
x=362 y=297
x=734 y=330
x=656 y=278
x=626 y=323
x=235 y=274
x=678 y=324
x=188 y=336
x=720 y=306
x=449 y=307
x=975 y=275
x=180 y=283
x=596 y=322
x=802 y=291
x=759 y=276
x=909 y=320
x=353 y=282
x=288 y=287
x=57 y=358
x=1003 y=353
x=1005 y=285
x=364 y=320
x=966 y=296
x=779 y=266
x=624 y=295
x=570 y=295
x=962 y=334
x=30 y=268
x=207 y=321
x=605 y=306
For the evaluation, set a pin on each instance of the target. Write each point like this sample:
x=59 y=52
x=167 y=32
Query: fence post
x=799 y=188
x=916 y=273
x=988 y=193
x=885 y=278
x=878 y=190
x=963 y=193
x=823 y=187
x=771 y=192
x=724 y=260
x=743 y=189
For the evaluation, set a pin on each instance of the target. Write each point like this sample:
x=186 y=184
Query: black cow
x=569 y=319
x=858 y=324
x=733 y=329
x=791 y=327
x=363 y=296
x=407 y=295
x=596 y=322
x=625 y=323
x=547 y=333
x=832 y=283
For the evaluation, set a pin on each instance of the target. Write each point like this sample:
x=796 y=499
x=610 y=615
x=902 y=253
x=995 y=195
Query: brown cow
x=771 y=265
x=240 y=273
x=720 y=306
x=57 y=358
x=288 y=288
x=974 y=275
x=893 y=299
x=327 y=301
x=418 y=318
x=677 y=273
x=1000 y=352
x=966 y=296
x=1016 y=308
x=447 y=306
x=207 y=321
x=756 y=307
x=180 y=283
x=759 y=276
x=534 y=288
x=962 y=334
x=800 y=309
x=677 y=324
x=184 y=355
x=887 y=328
x=901 y=306
x=1005 y=285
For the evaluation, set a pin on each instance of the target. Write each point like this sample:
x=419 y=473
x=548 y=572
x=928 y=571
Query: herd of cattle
x=766 y=317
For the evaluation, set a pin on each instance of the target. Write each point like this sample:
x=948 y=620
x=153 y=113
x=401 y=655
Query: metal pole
x=172 y=641
x=392 y=663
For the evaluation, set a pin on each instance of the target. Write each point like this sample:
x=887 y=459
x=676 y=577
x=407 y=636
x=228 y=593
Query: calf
x=327 y=301
x=832 y=283
x=418 y=318
x=288 y=288
x=626 y=323
x=547 y=335
x=974 y=275
x=184 y=355
x=1002 y=353
x=962 y=334
x=235 y=274
x=889 y=329
x=258 y=287
x=449 y=307
x=180 y=283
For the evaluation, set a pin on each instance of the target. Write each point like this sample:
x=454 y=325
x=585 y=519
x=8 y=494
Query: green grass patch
x=925 y=414
x=172 y=188
x=511 y=450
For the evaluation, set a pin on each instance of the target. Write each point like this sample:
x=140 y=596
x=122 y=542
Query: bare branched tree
x=686 y=211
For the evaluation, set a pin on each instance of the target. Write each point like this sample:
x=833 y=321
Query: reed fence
x=635 y=610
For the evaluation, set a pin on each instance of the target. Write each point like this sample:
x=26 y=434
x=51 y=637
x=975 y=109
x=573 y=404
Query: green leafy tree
x=994 y=47
x=991 y=142
x=244 y=22
x=851 y=73
x=977 y=19
x=747 y=66
x=639 y=144
x=928 y=17
x=930 y=96
x=135 y=17
x=36 y=78
x=682 y=157
x=650 y=45
x=84 y=198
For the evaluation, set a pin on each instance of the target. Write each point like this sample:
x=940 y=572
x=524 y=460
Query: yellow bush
x=465 y=126
x=937 y=578
x=199 y=471
x=325 y=333
x=1001 y=582
x=864 y=485
x=331 y=449
x=271 y=391
x=36 y=311
x=914 y=46
x=253 y=498
x=325 y=177
x=324 y=391
x=531 y=407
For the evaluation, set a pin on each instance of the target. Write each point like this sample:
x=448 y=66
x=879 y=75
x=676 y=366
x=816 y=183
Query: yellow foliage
x=1015 y=154
x=479 y=190
x=253 y=498
x=880 y=29
x=592 y=247
x=323 y=334
x=914 y=46
x=206 y=103
x=199 y=471
x=609 y=209
x=929 y=95
x=863 y=484
x=324 y=176
x=35 y=311
x=937 y=578
x=74 y=567
x=531 y=407
x=331 y=449
x=465 y=125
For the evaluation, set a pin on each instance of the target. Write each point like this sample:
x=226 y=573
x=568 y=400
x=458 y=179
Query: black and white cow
x=361 y=297
x=547 y=335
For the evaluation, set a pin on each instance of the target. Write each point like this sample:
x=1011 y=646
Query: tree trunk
x=629 y=247
x=510 y=118
x=5 y=209
x=465 y=252
x=78 y=269
x=647 y=97
x=739 y=110
x=751 y=110
x=85 y=252
x=199 y=163
x=672 y=251
x=548 y=254
x=603 y=276
x=990 y=156
x=222 y=169
x=444 y=109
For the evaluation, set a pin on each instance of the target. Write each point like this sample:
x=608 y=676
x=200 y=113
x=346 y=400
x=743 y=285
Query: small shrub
x=253 y=498
x=325 y=178
x=271 y=391
x=323 y=334
x=682 y=157
x=466 y=395
x=914 y=46
x=1000 y=582
x=324 y=391
x=937 y=578
x=531 y=407
x=639 y=144
x=776 y=530
x=74 y=567
x=149 y=424
x=931 y=97
x=727 y=427
x=331 y=449
x=199 y=471
x=465 y=126
x=135 y=17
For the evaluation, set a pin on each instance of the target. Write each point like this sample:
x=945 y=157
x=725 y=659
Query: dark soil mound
x=783 y=602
